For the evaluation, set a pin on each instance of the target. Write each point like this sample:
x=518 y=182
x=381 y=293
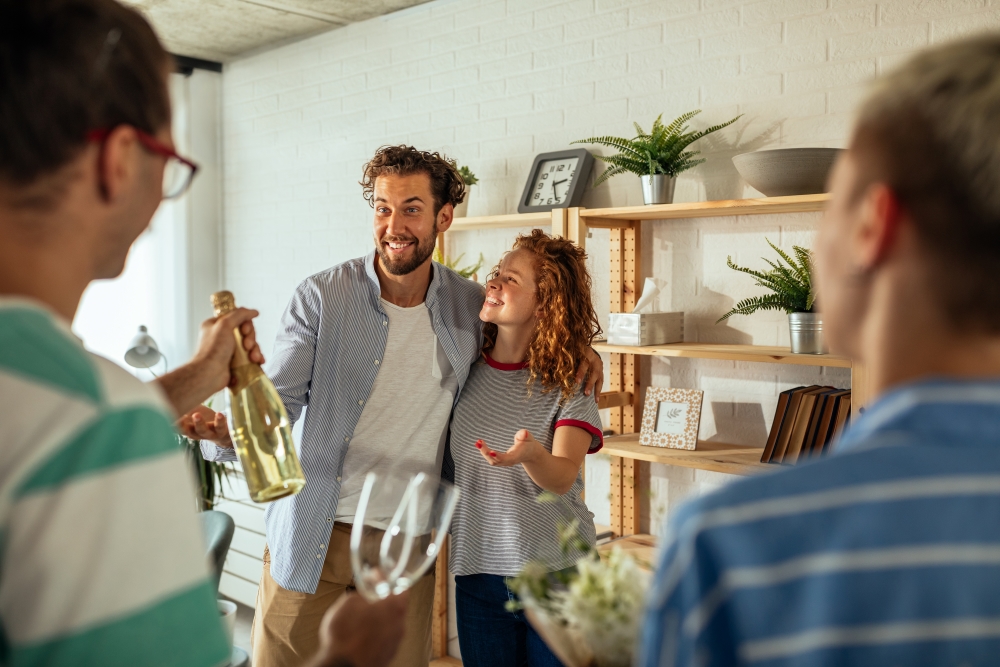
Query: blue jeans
x=491 y=636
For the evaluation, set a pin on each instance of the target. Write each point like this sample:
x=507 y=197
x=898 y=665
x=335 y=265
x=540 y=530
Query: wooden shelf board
x=502 y=221
x=756 y=353
x=706 y=209
x=713 y=456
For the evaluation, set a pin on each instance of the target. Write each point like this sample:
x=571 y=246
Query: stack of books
x=807 y=420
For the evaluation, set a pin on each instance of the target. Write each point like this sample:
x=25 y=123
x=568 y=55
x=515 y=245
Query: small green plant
x=467 y=175
x=790 y=282
x=660 y=151
x=209 y=474
x=467 y=272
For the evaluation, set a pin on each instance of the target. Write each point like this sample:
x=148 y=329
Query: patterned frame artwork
x=677 y=427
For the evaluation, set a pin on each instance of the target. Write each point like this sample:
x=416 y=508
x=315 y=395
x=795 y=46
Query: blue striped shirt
x=885 y=553
x=326 y=356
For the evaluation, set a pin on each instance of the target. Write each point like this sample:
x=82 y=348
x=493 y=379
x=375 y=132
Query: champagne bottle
x=259 y=424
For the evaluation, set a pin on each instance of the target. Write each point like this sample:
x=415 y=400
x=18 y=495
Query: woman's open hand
x=204 y=423
x=525 y=450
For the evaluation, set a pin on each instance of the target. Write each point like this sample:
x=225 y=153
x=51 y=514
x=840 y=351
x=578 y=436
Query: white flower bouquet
x=589 y=615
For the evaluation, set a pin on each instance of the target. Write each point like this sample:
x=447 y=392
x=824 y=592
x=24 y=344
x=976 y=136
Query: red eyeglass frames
x=178 y=172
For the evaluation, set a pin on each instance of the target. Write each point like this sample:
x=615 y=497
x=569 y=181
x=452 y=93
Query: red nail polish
x=493 y=454
x=479 y=445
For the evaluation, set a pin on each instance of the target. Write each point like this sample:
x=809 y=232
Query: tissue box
x=646 y=328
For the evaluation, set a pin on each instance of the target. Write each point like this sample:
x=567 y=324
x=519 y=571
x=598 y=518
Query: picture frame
x=671 y=418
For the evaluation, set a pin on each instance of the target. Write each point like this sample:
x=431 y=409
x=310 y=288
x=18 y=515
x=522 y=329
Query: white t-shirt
x=405 y=420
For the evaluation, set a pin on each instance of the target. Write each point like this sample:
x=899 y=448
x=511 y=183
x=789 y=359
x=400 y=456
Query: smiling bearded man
x=379 y=347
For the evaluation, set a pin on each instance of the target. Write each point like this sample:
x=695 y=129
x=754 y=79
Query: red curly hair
x=568 y=322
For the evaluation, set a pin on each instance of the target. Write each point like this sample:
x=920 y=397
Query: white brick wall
x=493 y=82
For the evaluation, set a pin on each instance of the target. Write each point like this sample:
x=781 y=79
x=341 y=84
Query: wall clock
x=556 y=180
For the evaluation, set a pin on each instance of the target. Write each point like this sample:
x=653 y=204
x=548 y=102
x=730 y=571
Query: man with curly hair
x=375 y=351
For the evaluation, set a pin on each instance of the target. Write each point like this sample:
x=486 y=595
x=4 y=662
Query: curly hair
x=446 y=183
x=568 y=322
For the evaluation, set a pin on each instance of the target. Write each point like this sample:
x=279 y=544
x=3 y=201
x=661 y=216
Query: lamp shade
x=143 y=352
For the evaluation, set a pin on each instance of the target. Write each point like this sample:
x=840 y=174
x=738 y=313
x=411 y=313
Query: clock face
x=552 y=181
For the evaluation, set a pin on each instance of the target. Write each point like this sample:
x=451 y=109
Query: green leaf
x=467 y=176
x=660 y=151
x=789 y=280
x=756 y=303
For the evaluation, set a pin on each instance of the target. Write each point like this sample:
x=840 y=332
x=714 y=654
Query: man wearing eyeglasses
x=101 y=559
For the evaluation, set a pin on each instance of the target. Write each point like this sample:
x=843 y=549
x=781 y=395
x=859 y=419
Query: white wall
x=494 y=82
x=176 y=264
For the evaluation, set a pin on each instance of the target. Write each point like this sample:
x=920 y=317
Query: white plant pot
x=462 y=209
x=227 y=610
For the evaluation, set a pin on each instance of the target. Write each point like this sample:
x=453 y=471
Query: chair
x=218 y=528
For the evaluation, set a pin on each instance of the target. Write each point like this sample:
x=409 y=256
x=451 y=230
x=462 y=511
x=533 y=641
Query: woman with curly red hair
x=522 y=426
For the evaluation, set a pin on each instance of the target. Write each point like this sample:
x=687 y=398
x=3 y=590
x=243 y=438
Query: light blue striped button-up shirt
x=885 y=553
x=332 y=334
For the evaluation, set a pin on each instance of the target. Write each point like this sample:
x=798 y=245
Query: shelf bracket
x=626 y=253
x=614 y=399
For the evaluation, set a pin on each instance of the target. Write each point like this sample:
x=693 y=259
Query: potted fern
x=209 y=475
x=470 y=179
x=470 y=271
x=656 y=157
x=790 y=282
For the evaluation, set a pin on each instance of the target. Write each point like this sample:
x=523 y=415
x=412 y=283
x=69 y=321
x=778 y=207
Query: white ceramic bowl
x=787 y=171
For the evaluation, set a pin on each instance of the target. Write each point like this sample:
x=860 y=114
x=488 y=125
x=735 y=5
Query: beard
x=422 y=249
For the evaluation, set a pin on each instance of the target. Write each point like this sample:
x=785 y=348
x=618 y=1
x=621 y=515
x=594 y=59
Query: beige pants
x=285 y=629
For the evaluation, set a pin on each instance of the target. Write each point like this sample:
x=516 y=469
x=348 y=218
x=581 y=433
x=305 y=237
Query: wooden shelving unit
x=705 y=209
x=502 y=221
x=554 y=221
x=714 y=456
x=622 y=375
x=753 y=353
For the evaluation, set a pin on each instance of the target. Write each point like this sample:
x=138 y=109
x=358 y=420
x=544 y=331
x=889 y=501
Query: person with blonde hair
x=522 y=426
x=886 y=552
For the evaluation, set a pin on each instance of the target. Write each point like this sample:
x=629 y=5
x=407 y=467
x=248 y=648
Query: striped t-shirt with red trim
x=499 y=526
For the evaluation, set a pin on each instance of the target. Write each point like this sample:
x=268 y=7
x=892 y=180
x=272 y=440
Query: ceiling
x=222 y=30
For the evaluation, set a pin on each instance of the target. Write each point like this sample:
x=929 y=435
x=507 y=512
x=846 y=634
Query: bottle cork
x=223 y=302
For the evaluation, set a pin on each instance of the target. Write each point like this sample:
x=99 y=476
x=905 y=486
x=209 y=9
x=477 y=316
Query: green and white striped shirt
x=101 y=557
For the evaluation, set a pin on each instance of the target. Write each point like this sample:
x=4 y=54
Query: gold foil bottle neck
x=223 y=302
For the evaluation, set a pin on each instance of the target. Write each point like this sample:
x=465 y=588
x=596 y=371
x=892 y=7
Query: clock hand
x=554 y=184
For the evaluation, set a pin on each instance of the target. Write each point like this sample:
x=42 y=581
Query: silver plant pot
x=658 y=189
x=806 y=331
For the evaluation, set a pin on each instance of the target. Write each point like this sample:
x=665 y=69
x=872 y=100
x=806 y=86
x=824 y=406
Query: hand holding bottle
x=217 y=344
x=210 y=369
x=262 y=434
